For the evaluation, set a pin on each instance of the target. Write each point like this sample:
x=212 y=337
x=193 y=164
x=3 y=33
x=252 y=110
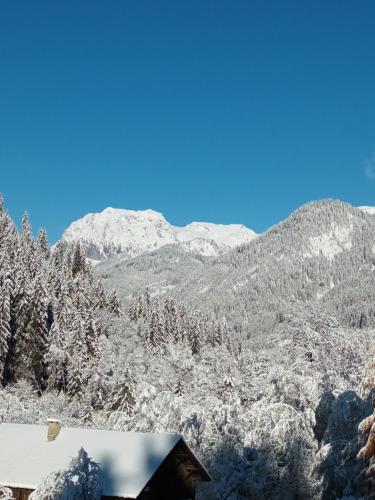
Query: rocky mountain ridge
x=129 y=233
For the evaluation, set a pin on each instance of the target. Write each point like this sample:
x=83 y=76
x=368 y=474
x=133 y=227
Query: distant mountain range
x=322 y=254
x=129 y=233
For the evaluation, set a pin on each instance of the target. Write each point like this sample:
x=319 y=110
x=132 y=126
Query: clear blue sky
x=223 y=110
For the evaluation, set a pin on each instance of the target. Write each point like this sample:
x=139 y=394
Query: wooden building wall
x=21 y=493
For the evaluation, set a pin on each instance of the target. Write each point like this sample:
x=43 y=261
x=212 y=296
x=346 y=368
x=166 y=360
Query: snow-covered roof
x=26 y=456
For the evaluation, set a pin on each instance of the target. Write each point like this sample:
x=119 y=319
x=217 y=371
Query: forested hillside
x=323 y=253
x=258 y=357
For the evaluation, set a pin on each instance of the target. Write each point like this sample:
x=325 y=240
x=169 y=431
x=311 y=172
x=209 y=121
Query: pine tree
x=100 y=298
x=56 y=359
x=146 y=303
x=8 y=237
x=42 y=243
x=114 y=304
x=26 y=229
x=196 y=333
x=122 y=396
x=91 y=337
x=97 y=390
x=134 y=311
x=155 y=329
x=170 y=320
x=58 y=255
x=76 y=382
x=5 y=321
x=87 y=417
x=79 y=262
x=36 y=334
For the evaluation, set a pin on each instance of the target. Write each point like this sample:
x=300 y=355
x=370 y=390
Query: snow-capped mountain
x=129 y=233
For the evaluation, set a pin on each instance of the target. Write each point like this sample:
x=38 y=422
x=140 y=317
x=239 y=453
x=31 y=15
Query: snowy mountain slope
x=368 y=210
x=318 y=253
x=230 y=235
x=129 y=233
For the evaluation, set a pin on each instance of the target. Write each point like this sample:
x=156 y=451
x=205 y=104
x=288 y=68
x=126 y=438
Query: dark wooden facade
x=176 y=477
x=21 y=493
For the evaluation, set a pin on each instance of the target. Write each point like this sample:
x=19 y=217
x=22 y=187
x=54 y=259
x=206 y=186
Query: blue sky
x=222 y=110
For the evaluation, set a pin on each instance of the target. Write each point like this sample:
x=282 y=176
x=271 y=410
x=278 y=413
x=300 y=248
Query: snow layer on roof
x=129 y=458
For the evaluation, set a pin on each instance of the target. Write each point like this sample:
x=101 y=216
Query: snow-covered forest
x=261 y=357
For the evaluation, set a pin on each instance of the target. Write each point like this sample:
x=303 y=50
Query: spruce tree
x=76 y=382
x=36 y=334
x=122 y=396
x=26 y=228
x=78 y=262
x=196 y=333
x=155 y=329
x=114 y=304
x=5 y=321
x=42 y=242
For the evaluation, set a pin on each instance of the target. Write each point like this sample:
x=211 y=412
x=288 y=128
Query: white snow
x=333 y=242
x=203 y=247
x=131 y=233
x=368 y=210
x=227 y=235
x=161 y=290
x=132 y=458
x=115 y=231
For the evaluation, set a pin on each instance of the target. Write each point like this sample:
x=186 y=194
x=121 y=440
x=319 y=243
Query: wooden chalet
x=134 y=465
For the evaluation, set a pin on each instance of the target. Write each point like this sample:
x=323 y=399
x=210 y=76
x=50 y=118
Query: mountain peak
x=117 y=231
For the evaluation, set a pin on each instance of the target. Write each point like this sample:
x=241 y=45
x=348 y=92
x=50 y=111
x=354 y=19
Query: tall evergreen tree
x=42 y=242
x=122 y=395
x=5 y=321
x=79 y=261
x=36 y=333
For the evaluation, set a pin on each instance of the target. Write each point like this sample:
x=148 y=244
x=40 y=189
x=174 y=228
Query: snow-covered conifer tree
x=76 y=379
x=42 y=243
x=6 y=326
x=79 y=262
x=37 y=332
x=122 y=397
x=26 y=228
x=155 y=333
x=114 y=304
x=81 y=480
x=196 y=333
